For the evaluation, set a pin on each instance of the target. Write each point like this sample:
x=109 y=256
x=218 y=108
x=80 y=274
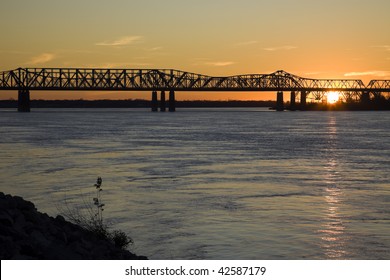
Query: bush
x=121 y=239
x=90 y=217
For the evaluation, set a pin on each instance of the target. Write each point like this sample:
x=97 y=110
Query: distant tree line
x=133 y=103
x=381 y=103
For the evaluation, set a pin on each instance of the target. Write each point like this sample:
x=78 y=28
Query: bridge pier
x=154 y=101
x=292 y=101
x=24 y=100
x=365 y=97
x=172 y=103
x=163 y=106
x=279 y=101
x=303 y=100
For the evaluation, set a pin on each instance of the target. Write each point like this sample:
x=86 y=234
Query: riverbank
x=26 y=233
x=373 y=105
x=135 y=103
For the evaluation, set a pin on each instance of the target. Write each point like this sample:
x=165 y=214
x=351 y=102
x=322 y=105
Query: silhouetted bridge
x=52 y=79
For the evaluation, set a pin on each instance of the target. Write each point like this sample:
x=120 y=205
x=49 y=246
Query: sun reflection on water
x=333 y=231
x=333 y=236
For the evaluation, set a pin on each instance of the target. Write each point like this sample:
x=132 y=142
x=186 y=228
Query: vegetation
x=134 y=103
x=90 y=217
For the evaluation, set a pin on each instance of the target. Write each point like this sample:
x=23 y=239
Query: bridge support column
x=154 y=101
x=163 y=106
x=292 y=101
x=24 y=100
x=172 y=105
x=279 y=101
x=365 y=98
x=303 y=100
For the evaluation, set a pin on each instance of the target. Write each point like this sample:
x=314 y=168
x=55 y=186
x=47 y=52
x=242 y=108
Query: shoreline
x=383 y=105
x=27 y=234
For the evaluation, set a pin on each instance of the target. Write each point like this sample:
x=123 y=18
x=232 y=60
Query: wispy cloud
x=220 y=63
x=280 y=48
x=384 y=47
x=368 y=73
x=312 y=73
x=208 y=62
x=75 y=51
x=42 y=58
x=124 y=65
x=246 y=43
x=155 y=49
x=14 y=52
x=123 y=41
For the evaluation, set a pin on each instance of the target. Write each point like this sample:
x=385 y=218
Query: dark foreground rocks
x=26 y=233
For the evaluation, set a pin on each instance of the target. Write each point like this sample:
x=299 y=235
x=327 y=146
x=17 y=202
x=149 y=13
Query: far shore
x=134 y=103
x=141 y=103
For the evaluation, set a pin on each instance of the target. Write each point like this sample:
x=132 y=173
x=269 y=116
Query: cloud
x=121 y=65
x=281 y=48
x=155 y=49
x=368 y=73
x=74 y=51
x=247 y=43
x=219 y=63
x=384 y=47
x=42 y=58
x=207 y=62
x=123 y=41
x=13 y=52
x=312 y=73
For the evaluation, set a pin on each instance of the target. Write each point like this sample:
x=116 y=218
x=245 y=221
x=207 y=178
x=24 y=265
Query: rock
x=19 y=222
x=6 y=220
x=23 y=204
x=39 y=239
x=7 y=203
x=60 y=218
x=26 y=233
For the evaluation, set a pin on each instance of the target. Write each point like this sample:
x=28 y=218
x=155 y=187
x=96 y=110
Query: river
x=226 y=183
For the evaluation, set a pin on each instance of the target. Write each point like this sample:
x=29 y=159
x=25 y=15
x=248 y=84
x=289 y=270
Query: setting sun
x=332 y=97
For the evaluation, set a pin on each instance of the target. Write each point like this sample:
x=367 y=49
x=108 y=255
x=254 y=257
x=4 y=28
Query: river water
x=212 y=183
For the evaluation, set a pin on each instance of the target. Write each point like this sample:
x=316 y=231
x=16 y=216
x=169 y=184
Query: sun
x=332 y=97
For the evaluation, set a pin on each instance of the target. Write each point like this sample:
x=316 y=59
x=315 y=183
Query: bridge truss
x=169 y=79
x=53 y=79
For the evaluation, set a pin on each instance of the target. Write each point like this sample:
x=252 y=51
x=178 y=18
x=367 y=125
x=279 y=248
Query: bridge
x=74 y=79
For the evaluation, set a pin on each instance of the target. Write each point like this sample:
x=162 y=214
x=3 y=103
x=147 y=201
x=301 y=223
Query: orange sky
x=314 y=39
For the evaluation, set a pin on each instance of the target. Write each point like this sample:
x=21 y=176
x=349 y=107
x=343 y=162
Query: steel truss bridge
x=52 y=79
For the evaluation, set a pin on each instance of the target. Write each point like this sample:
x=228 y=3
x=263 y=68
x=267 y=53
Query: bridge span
x=25 y=80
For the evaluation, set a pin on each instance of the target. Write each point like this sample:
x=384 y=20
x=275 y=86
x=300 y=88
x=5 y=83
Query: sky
x=310 y=38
